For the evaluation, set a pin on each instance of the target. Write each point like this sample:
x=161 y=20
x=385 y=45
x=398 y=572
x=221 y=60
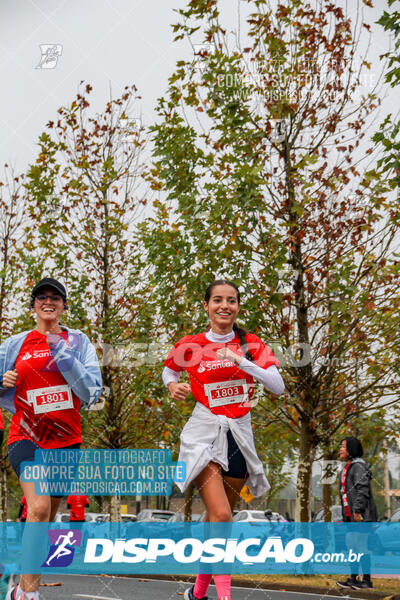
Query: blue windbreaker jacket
x=77 y=363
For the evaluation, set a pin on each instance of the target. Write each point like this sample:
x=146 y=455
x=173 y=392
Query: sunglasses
x=53 y=298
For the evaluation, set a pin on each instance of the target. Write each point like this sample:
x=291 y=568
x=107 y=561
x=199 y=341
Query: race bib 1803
x=226 y=392
x=48 y=399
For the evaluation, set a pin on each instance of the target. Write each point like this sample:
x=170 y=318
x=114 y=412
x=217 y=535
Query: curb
x=362 y=594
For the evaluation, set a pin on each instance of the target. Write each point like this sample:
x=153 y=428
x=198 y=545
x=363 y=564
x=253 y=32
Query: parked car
x=254 y=516
x=61 y=518
x=128 y=518
x=90 y=517
x=386 y=536
x=180 y=517
x=336 y=515
x=395 y=518
x=97 y=517
x=264 y=523
x=149 y=514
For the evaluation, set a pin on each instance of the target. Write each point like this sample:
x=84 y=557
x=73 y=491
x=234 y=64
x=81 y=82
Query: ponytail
x=241 y=333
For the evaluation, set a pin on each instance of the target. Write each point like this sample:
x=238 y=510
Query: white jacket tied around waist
x=204 y=439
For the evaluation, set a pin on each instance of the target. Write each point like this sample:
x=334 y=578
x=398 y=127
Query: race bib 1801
x=48 y=399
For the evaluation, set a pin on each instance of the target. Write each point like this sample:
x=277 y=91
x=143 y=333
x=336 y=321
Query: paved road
x=82 y=587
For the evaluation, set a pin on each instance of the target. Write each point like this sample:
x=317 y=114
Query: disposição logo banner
x=183 y=548
x=63 y=543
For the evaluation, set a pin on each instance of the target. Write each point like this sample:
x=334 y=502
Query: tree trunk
x=327 y=500
x=329 y=478
x=115 y=509
x=304 y=473
x=386 y=481
x=99 y=503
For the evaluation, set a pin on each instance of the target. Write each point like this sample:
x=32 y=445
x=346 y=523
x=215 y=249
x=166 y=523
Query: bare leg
x=41 y=509
x=233 y=487
x=212 y=491
x=219 y=494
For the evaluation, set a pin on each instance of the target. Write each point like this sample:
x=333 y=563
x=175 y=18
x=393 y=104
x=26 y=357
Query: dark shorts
x=1 y=436
x=237 y=467
x=24 y=451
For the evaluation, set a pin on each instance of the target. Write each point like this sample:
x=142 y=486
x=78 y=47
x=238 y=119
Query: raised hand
x=229 y=355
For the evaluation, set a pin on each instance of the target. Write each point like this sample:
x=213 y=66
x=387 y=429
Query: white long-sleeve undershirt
x=269 y=377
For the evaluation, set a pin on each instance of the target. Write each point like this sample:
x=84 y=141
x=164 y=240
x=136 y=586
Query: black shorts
x=1 y=436
x=237 y=467
x=24 y=450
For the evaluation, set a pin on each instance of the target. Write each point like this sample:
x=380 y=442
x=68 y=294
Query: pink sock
x=223 y=585
x=201 y=585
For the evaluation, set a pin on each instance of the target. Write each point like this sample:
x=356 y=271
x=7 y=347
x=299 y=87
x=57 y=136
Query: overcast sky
x=103 y=41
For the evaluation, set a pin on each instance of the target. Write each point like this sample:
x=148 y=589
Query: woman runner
x=45 y=375
x=217 y=442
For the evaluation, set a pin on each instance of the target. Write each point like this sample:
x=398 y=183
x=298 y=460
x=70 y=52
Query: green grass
x=384 y=586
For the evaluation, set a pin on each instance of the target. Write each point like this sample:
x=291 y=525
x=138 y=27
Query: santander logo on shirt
x=41 y=354
x=36 y=354
x=212 y=365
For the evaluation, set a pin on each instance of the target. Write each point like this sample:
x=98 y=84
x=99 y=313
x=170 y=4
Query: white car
x=61 y=518
x=149 y=514
x=128 y=518
x=336 y=515
x=180 y=518
x=258 y=516
x=91 y=517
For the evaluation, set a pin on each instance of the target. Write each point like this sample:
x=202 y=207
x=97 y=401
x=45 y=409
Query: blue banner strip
x=61 y=472
x=184 y=548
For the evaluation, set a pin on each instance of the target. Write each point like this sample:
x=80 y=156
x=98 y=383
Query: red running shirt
x=24 y=506
x=48 y=425
x=1 y=421
x=198 y=356
x=77 y=505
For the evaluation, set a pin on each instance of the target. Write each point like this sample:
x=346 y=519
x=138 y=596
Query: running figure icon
x=62 y=541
